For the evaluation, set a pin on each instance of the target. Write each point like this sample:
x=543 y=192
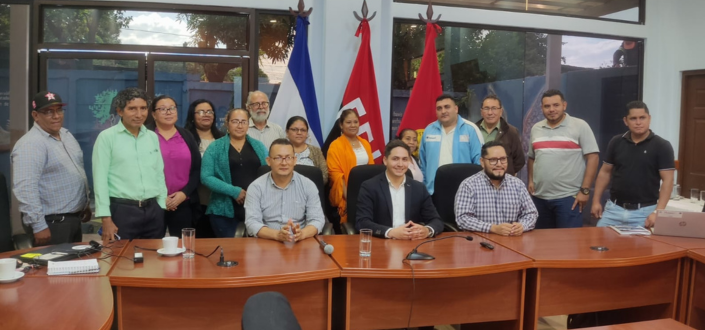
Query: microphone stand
x=415 y=255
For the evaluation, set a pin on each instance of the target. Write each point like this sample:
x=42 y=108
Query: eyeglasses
x=493 y=161
x=299 y=130
x=205 y=112
x=493 y=109
x=52 y=113
x=239 y=122
x=279 y=159
x=258 y=105
x=166 y=110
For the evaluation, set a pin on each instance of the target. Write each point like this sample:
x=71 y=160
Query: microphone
x=415 y=255
x=223 y=263
x=327 y=248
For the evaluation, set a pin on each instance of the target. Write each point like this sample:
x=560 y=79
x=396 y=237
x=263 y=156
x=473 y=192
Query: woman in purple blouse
x=182 y=166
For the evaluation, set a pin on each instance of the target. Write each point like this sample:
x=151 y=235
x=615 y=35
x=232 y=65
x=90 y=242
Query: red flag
x=421 y=109
x=361 y=94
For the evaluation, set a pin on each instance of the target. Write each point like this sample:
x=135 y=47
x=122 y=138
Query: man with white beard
x=260 y=128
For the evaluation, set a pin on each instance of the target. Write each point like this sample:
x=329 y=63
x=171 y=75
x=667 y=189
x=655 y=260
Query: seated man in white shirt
x=283 y=205
x=412 y=214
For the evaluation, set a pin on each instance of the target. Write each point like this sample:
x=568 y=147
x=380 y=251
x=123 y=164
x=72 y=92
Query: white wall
x=672 y=32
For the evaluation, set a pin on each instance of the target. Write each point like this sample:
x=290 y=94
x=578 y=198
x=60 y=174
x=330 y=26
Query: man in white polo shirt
x=563 y=159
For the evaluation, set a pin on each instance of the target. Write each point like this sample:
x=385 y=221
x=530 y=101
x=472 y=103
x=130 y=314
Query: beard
x=259 y=118
x=492 y=176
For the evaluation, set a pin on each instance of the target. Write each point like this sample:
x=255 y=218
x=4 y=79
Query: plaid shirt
x=479 y=205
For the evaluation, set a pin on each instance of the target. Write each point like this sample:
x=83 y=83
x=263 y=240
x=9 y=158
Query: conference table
x=696 y=309
x=662 y=324
x=635 y=278
x=466 y=283
x=176 y=293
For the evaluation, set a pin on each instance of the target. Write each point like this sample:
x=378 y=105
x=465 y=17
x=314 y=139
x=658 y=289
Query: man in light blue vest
x=450 y=140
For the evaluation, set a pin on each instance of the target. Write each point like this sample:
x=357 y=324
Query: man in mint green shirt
x=128 y=173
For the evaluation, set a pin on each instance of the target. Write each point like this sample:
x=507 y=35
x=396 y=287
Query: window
x=276 y=40
x=620 y=10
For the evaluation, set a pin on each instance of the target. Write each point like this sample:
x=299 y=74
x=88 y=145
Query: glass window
x=276 y=40
x=131 y=27
x=88 y=87
x=220 y=83
x=623 y=10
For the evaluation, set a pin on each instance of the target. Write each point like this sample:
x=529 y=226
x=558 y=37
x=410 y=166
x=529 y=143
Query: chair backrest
x=358 y=175
x=311 y=172
x=448 y=180
x=5 y=223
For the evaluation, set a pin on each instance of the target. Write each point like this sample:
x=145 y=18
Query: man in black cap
x=48 y=176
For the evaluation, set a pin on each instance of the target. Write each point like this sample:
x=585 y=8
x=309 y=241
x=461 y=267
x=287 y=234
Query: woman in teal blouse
x=229 y=165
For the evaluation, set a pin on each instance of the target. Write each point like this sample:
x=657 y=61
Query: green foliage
x=101 y=107
x=93 y=26
x=4 y=25
x=211 y=30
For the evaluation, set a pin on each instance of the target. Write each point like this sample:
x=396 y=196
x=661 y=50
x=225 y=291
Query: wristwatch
x=585 y=191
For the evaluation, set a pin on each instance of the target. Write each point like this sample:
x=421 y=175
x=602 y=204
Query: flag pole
x=364 y=12
x=301 y=12
x=429 y=15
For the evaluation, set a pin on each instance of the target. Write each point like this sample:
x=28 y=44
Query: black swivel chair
x=8 y=242
x=311 y=172
x=448 y=180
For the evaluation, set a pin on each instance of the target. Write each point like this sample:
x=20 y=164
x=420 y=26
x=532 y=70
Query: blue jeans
x=223 y=226
x=556 y=213
x=614 y=215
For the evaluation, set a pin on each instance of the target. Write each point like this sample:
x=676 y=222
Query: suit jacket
x=374 y=206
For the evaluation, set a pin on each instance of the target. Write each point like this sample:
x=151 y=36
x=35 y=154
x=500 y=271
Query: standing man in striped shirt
x=48 y=176
x=260 y=127
x=563 y=159
x=128 y=173
x=493 y=202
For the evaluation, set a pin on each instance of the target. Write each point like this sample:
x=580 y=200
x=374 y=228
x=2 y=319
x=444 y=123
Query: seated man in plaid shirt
x=491 y=202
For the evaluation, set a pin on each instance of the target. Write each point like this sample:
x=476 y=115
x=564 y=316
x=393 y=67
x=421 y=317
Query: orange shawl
x=341 y=159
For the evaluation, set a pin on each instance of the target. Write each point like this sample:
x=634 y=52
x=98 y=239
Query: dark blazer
x=511 y=140
x=194 y=178
x=374 y=206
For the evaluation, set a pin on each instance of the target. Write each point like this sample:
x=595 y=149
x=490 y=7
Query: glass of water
x=188 y=241
x=365 y=242
x=702 y=197
x=694 y=195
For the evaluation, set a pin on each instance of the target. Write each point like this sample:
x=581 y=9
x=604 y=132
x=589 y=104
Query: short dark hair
x=636 y=105
x=281 y=142
x=395 y=144
x=552 y=92
x=128 y=94
x=401 y=133
x=445 y=97
x=153 y=107
x=191 y=120
x=491 y=97
x=495 y=143
x=294 y=119
x=345 y=113
x=230 y=113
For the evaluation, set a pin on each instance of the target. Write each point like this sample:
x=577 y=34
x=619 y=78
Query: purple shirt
x=177 y=162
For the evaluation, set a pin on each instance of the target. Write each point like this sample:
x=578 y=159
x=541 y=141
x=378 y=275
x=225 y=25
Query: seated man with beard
x=491 y=202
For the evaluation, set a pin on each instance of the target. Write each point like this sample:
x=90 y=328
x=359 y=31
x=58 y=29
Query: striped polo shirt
x=558 y=153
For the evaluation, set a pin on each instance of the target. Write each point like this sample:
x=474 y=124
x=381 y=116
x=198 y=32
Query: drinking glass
x=365 y=242
x=694 y=195
x=188 y=241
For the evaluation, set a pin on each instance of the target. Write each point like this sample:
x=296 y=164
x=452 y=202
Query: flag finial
x=429 y=15
x=301 y=12
x=364 y=12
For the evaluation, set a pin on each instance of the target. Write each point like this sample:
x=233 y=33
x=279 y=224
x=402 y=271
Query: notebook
x=73 y=267
x=631 y=230
x=58 y=252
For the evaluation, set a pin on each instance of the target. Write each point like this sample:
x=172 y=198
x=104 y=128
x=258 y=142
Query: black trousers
x=138 y=222
x=179 y=219
x=63 y=229
x=268 y=311
x=203 y=225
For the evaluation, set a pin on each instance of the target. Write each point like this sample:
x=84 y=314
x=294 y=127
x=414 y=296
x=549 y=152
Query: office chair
x=448 y=180
x=9 y=242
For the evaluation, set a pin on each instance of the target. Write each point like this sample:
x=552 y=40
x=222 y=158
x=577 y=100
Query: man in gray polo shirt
x=559 y=178
x=260 y=127
x=283 y=205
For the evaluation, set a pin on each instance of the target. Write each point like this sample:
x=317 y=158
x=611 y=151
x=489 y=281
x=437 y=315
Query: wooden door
x=691 y=156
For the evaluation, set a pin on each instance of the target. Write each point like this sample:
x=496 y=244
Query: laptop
x=59 y=252
x=678 y=223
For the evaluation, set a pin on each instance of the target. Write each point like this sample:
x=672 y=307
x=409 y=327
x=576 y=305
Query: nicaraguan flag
x=297 y=95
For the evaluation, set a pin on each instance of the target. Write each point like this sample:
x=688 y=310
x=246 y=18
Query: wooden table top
x=108 y=255
x=663 y=324
x=571 y=248
x=682 y=242
x=454 y=257
x=39 y=302
x=261 y=262
x=697 y=254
